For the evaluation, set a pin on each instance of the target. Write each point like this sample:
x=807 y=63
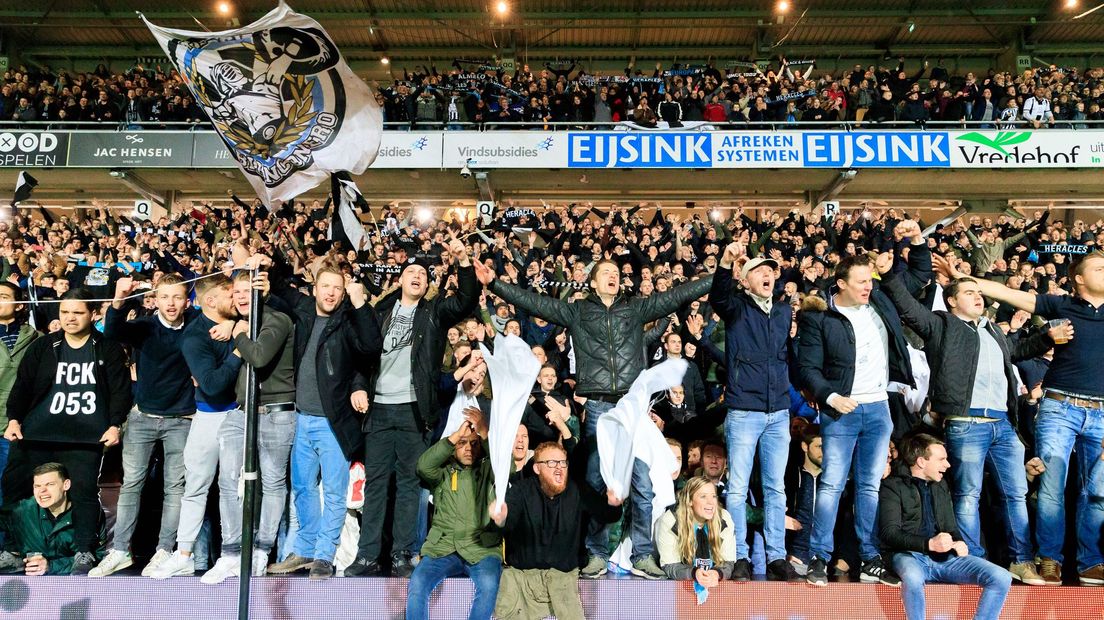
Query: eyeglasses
x=553 y=464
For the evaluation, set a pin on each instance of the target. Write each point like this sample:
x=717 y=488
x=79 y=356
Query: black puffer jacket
x=608 y=341
x=901 y=517
x=952 y=346
x=432 y=319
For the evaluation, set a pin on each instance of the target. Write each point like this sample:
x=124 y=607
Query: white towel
x=456 y=410
x=513 y=369
x=627 y=433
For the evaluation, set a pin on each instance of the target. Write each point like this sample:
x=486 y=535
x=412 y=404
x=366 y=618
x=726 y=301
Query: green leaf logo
x=999 y=141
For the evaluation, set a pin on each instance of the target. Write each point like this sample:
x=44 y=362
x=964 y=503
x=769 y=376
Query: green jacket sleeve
x=431 y=465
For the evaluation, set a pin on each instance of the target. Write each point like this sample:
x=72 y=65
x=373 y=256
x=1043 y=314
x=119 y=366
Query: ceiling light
x=385 y=60
x=502 y=7
x=782 y=6
x=224 y=8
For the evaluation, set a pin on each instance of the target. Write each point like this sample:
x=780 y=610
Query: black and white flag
x=24 y=185
x=281 y=97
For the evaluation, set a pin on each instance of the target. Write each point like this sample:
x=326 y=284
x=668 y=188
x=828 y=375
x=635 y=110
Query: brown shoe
x=1093 y=576
x=291 y=564
x=1025 y=572
x=1051 y=572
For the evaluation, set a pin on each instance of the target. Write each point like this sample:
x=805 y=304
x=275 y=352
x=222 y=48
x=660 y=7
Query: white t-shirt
x=871 y=354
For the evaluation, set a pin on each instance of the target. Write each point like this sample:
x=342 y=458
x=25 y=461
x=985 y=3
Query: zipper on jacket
x=612 y=363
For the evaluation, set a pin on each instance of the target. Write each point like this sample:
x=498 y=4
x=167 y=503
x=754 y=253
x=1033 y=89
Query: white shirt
x=871 y=354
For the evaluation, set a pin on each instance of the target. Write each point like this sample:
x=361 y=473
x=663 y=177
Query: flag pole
x=249 y=473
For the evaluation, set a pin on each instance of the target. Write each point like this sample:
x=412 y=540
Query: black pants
x=392 y=444
x=83 y=462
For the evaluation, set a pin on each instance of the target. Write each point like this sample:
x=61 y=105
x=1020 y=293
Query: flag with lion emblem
x=278 y=92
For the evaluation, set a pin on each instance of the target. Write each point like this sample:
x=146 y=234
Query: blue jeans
x=863 y=434
x=916 y=569
x=431 y=571
x=1059 y=427
x=972 y=448
x=640 y=495
x=771 y=432
x=317 y=455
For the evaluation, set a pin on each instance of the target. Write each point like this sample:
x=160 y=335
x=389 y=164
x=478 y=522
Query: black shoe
x=781 y=570
x=402 y=564
x=363 y=568
x=874 y=571
x=817 y=574
x=82 y=563
x=321 y=569
x=741 y=571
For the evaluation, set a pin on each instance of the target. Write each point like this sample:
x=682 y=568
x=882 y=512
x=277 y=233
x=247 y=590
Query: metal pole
x=250 y=470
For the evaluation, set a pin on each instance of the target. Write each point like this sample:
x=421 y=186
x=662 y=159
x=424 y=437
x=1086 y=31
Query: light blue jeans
x=916 y=569
x=864 y=435
x=315 y=456
x=141 y=437
x=973 y=447
x=744 y=430
x=1059 y=427
x=275 y=436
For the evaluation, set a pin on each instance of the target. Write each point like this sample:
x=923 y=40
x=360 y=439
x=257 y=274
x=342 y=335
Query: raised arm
x=656 y=306
x=1018 y=299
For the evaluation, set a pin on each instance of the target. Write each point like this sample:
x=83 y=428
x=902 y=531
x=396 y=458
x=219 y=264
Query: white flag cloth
x=513 y=370
x=346 y=196
x=278 y=92
x=456 y=410
x=627 y=433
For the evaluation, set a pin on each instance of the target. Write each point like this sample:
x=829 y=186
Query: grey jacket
x=273 y=355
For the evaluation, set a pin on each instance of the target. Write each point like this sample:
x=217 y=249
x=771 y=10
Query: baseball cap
x=756 y=262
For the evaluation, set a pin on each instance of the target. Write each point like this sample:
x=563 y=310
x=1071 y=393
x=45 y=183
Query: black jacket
x=35 y=380
x=952 y=347
x=900 y=516
x=608 y=341
x=432 y=319
x=826 y=340
x=351 y=337
x=826 y=351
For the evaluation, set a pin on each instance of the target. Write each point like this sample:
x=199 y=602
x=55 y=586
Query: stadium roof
x=416 y=31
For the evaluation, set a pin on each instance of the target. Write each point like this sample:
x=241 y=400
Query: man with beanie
x=404 y=407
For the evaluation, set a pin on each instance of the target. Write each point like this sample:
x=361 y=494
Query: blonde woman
x=695 y=537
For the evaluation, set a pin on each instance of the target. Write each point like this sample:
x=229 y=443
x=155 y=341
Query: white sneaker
x=157 y=560
x=113 y=562
x=227 y=566
x=175 y=565
x=260 y=562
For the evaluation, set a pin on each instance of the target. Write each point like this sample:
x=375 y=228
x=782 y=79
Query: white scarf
x=513 y=369
x=627 y=433
x=456 y=411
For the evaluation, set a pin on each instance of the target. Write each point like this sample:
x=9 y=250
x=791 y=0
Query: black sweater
x=35 y=380
x=164 y=385
x=543 y=532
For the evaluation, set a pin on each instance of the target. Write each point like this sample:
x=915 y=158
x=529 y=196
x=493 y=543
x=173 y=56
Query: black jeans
x=392 y=444
x=83 y=462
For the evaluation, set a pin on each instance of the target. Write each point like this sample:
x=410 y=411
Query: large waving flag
x=278 y=92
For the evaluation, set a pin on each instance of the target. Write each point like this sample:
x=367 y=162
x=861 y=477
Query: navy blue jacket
x=213 y=364
x=826 y=350
x=757 y=348
x=164 y=385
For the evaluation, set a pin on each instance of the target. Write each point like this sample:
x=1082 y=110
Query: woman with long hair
x=695 y=536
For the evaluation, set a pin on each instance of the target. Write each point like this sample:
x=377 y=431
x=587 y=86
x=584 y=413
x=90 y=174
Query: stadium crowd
x=826 y=394
x=475 y=95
